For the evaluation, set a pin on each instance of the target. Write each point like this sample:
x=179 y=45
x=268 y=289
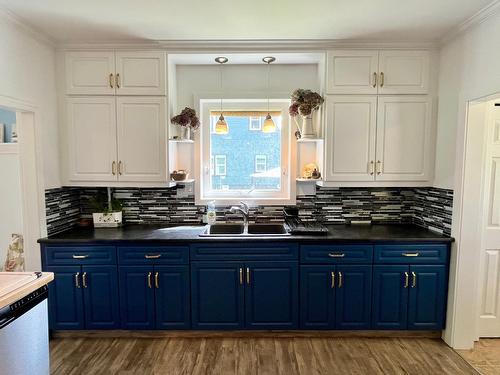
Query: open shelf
x=9 y=148
x=313 y=180
x=181 y=140
x=306 y=140
x=186 y=181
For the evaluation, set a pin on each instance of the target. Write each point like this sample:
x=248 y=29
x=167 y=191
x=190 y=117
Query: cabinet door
x=353 y=296
x=172 y=297
x=65 y=298
x=403 y=72
x=217 y=295
x=141 y=73
x=141 y=139
x=137 y=297
x=91 y=142
x=351 y=124
x=352 y=72
x=390 y=297
x=100 y=292
x=317 y=297
x=426 y=306
x=90 y=73
x=404 y=136
x=271 y=295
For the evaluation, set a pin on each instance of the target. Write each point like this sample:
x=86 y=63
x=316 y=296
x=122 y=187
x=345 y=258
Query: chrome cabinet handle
x=149 y=280
x=336 y=255
x=77 y=280
x=118 y=80
x=85 y=256
x=248 y=276
x=372 y=167
x=157 y=281
x=379 y=167
x=414 y=280
x=111 y=80
x=84 y=279
x=406 y=280
x=374 y=81
x=411 y=254
x=333 y=280
x=241 y=276
x=340 y=280
x=152 y=256
x=381 y=79
x=113 y=168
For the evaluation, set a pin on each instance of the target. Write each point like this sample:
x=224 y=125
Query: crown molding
x=476 y=19
x=25 y=28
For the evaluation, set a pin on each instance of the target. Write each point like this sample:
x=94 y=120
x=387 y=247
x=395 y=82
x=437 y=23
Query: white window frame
x=203 y=192
x=263 y=160
x=259 y=127
x=216 y=166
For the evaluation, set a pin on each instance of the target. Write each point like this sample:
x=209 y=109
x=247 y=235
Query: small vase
x=307 y=127
x=185 y=133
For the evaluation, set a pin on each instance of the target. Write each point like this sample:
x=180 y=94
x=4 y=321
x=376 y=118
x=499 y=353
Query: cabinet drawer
x=238 y=251
x=76 y=255
x=314 y=254
x=153 y=255
x=411 y=254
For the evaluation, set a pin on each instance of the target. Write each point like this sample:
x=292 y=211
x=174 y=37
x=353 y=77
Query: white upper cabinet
x=90 y=73
x=350 y=138
x=120 y=73
x=141 y=139
x=91 y=139
x=352 y=72
x=403 y=138
x=403 y=72
x=140 y=73
x=377 y=72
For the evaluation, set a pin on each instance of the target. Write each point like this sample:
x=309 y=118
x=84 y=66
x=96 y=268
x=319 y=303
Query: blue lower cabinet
x=172 y=303
x=100 y=292
x=426 y=306
x=271 y=295
x=353 y=296
x=217 y=295
x=390 y=296
x=137 y=297
x=66 y=298
x=317 y=297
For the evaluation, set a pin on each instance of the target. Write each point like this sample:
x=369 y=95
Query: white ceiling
x=112 y=20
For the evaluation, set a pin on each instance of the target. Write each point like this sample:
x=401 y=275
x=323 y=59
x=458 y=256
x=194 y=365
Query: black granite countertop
x=337 y=233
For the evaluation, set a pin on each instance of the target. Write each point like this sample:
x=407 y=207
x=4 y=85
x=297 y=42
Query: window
x=255 y=123
x=245 y=163
x=260 y=163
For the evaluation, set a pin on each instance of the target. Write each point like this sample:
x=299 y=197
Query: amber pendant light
x=221 y=125
x=269 y=126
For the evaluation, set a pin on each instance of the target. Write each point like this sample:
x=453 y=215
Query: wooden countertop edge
x=19 y=293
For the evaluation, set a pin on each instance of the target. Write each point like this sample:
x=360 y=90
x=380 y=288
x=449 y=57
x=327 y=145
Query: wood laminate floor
x=485 y=357
x=248 y=356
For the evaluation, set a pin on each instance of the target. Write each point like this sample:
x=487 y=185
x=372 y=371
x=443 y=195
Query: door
x=403 y=72
x=90 y=73
x=100 y=293
x=404 y=142
x=426 y=305
x=317 y=297
x=91 y=146
x=141 y=139
x=390 y=297
x=217 y=295
x=172 y=297
x=140 y=73
x=352 y=72
x=137 y=297
x=271 y=295
x=65 y=298
x=351 y=125
x=353 y=296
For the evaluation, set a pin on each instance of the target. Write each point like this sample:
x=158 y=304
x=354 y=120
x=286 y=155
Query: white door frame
x=462 y=318
x=32 y=179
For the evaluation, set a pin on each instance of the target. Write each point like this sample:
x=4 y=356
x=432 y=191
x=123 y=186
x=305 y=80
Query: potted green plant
x=107 y=211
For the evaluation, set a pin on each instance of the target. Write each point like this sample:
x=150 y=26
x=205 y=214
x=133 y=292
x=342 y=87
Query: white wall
x=27 y=71
x=469 y=68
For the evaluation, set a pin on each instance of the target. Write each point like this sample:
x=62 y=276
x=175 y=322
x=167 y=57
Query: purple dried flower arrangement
x=187 y=118
x=304 y=102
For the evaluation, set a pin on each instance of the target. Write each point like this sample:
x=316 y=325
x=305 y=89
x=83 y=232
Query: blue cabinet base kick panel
x=247 y=286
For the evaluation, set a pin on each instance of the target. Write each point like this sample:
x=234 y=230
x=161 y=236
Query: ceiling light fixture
x=221 y=125
x=269 y=126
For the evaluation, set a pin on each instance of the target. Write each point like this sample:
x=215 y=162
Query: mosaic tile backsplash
x=426 y=207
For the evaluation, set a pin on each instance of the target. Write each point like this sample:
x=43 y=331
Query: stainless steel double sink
x=242 y=230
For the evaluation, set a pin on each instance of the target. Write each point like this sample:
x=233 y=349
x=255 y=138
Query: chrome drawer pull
x=411 y=254
x=336 y=255
x=80 y=256
x=152 y=256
